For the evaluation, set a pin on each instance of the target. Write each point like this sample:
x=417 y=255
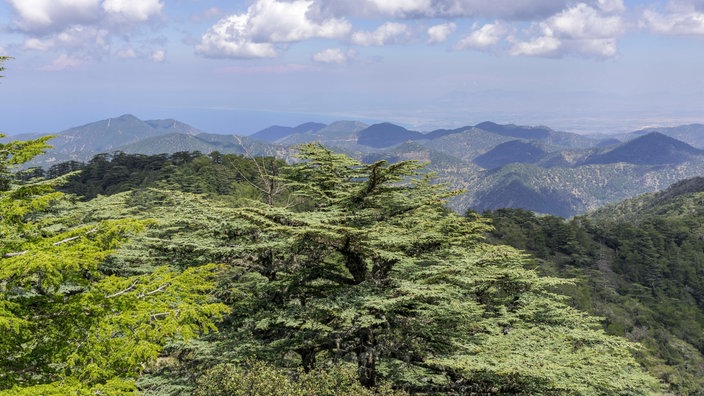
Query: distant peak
x=127 y=117
x=487 y=124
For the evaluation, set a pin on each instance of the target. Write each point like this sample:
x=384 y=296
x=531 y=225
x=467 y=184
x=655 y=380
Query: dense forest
x=638 y=264
x=220 y=274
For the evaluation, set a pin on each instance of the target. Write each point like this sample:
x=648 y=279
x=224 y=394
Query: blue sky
x=239 y=66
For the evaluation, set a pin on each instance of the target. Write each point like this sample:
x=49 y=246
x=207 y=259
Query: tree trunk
x=366 y=358
x=307 y=358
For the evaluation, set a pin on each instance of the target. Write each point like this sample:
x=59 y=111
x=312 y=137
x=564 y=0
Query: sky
x=235 y=67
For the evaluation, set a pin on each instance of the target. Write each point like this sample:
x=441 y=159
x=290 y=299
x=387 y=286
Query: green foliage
x=255 y=378
x=67 y=327
x=72 y=387
x=370 y=268
x=637 y=264
x=215 y=174
x=2 y=60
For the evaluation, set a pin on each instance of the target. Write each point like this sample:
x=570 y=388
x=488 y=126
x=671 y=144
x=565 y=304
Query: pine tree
x=66 y=327
x=371 y=268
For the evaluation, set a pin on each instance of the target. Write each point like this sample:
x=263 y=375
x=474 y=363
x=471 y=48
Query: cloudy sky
x=239 y=66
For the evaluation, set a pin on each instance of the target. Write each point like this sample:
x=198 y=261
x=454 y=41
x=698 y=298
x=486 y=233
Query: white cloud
x=541 y=46
x=334 y=55
x=440 y=33
x=158 y=56
x=64 y=62
x=131 y=11
x=388 y=33
x=52 y=15
x=682 y=17
x=401 y=8
x=581 y=29
x=500 y=9
x=583 y=21
x=487 y=36
x=85 y=40
x=259 y=32
x=83 y=29
x=229 y=38
x=611 y=6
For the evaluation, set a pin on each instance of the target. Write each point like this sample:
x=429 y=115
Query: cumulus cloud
x=611 y=6
x=85 y=40
x=334 y=55
x=388 y=33
x=131 y=11
x=682 y=17
x=582 y=29
x=484 y=37
x=52 y=15
x=440 y=33
x=83 y=28
x=502 y=9
x=540 y=46
x=266 y=25
x=229 y=38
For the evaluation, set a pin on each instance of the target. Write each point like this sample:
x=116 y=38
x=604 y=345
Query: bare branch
x=158 y=315
x=15 y=254
x=131 y=287
x=270 y=187
x=157 y=290
x=74 y=237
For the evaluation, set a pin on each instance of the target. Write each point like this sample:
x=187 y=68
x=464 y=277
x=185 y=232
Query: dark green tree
x=371 y=268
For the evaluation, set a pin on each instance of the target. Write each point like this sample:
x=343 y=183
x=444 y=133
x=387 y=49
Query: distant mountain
x=337 y=134
x=516 y=194
x=386 y=135
x=83 y=142
x=692 y=134
x=129 y=134
x=274 y=133
x=172 y=126
x=523 y=132
x=510 y=152
x=608 y=142
x=533 y=168
x=105 y=135
x=438 y=133
x=172 y=143
x=653 y=148
x=205 y=143
x=353 y=136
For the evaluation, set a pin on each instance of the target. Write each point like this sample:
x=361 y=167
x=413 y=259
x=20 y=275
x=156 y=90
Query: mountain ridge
x=568 y=171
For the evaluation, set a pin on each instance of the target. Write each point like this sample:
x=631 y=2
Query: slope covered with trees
x=327 y=276
x=355 y=270
x=639 y=264
x=69 y=324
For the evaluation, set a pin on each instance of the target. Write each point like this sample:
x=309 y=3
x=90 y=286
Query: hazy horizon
x=597 y=66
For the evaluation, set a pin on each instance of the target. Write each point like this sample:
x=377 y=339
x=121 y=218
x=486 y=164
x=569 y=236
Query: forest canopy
x=351 y=269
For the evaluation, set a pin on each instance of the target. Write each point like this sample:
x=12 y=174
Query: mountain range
x=531 y=167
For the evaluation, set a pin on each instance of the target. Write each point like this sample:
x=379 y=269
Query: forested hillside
x=639 y=264
x=326 y=276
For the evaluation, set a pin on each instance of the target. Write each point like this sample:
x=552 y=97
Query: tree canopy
x=66 y=325
x=369 y=267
